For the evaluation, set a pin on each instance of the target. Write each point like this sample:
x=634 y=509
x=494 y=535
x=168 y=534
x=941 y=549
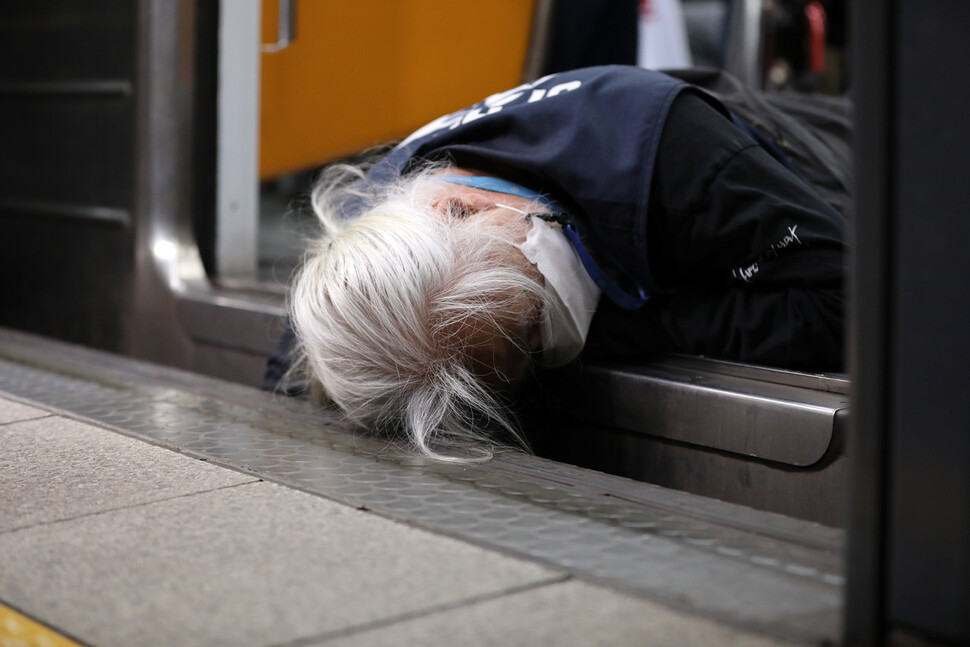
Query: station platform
x=143 y=505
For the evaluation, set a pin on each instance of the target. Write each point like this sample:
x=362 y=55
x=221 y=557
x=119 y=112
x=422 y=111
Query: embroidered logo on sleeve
x=747 y=273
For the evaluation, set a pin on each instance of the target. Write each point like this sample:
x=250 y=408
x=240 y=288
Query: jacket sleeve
x=798 y=328
x=751 y=259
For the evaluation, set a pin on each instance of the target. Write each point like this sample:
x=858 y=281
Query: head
x=421 y=314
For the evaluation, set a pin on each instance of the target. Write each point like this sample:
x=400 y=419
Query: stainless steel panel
x=227 y=320
x=744 y=48
x=819 y=494
x=733 y=413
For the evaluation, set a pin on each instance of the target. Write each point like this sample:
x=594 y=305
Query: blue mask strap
x=501 y=186
x=609 y=287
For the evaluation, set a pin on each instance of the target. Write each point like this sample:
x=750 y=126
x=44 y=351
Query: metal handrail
x=285 y=28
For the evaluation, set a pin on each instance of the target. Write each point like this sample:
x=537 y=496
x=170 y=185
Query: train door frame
x=178 y=315
x=237 y=139
x=907 y=561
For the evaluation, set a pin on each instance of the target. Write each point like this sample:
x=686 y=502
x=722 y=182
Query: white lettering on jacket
x=492 y=105
x=747 y=272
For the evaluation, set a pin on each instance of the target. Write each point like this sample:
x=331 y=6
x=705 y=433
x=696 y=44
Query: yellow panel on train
x=365 y=72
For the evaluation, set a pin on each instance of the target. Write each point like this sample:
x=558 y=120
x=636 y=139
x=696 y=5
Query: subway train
x=155 y=154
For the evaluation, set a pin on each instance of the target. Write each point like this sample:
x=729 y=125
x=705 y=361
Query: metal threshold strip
x=778 y=416
x=769 y=573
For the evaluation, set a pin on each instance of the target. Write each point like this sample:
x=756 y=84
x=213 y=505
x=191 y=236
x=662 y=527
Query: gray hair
x=384 y=305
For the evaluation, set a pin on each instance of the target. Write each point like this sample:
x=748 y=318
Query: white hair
x=387 y=302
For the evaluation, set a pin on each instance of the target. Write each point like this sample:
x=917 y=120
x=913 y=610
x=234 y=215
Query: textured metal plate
x=770 y=573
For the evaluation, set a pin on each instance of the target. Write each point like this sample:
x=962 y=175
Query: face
x=497 y=359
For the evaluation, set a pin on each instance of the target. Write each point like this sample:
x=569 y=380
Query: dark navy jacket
x=743 y=259
x=587 y=138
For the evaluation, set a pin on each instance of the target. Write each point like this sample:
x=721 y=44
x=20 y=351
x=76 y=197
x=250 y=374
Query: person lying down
x=608 y=212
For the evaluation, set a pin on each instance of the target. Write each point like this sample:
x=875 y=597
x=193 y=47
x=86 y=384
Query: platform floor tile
x=11 y=411
x=247 y=564
x=55 y=468
x=564 y=614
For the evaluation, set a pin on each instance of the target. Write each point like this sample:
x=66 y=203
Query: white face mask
x=571 y=293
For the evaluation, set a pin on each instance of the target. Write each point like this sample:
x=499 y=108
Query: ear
x=461 y=204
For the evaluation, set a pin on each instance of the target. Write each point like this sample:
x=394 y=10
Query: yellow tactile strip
x=17 y=630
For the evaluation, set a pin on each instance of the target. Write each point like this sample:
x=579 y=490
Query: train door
x=304 y=83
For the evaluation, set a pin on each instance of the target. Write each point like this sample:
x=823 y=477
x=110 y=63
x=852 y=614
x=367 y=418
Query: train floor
x=148 y=506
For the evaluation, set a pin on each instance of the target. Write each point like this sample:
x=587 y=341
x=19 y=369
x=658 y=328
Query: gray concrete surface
x=115 y=541
x=567 y=613
x=11 y=411
x=119 y=542
x=250 y=565
x=55 y=468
